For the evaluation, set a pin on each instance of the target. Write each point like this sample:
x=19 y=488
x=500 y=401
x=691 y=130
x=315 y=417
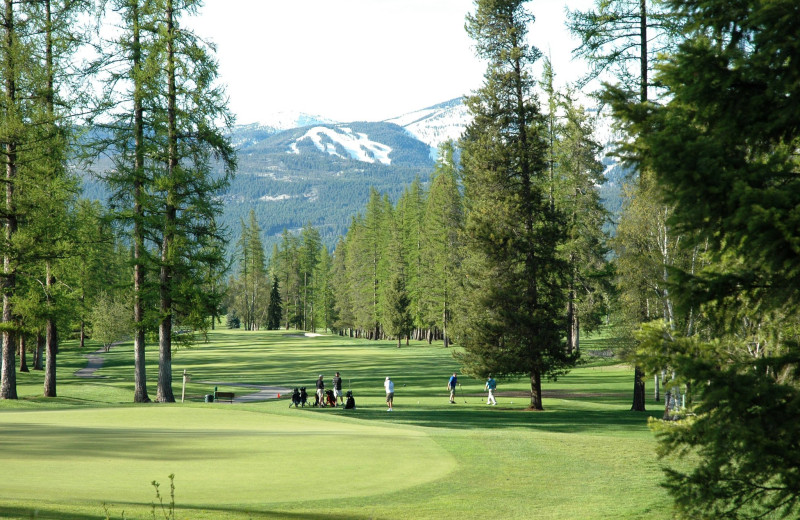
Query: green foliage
x=440 y=241
x=448 y=454
x=275 y=309
x=247 y=292
x=730 y=88
x=514 y=299
x=111 y=320
x=167 y=511
x=622 y=39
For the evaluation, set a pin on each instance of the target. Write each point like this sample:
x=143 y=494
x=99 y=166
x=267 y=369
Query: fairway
x=91 y=454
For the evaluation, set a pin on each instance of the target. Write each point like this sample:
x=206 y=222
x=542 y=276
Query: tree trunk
x=536 y=390
x=23 y=361
x=83 y=334
x=657 y=388
x=139 y=371
x=37 y=356
x=8 y=376
x=51 y=341
x=164 y=392
x=638 y=390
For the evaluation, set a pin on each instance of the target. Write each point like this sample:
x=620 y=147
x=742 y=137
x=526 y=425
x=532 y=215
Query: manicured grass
x=586 y=456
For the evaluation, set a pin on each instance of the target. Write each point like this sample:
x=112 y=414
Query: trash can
x=209 y=398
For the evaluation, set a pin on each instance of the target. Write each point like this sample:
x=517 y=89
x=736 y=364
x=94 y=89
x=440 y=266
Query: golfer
x=389 y=385
x=451 y=385
x=320 y=391
x=491 y=384
x=337 y=389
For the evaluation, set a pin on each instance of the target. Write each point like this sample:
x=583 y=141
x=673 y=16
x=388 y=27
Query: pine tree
x=275 y=309
x=730 y=120
x=576 y=173
x=514 y=298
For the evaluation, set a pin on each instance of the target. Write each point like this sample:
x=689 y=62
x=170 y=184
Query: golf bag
x=349 y=403
x=329 y=399
x=295 y=398
x=303 y=396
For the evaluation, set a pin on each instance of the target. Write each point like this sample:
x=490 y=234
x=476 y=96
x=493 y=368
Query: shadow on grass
x=43 y=513
x=497 y=417
x=181 y=512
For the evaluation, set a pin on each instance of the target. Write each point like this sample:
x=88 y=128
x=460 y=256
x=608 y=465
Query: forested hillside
x=288 y=182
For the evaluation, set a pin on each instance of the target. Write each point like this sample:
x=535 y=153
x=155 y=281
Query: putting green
x=219 y=456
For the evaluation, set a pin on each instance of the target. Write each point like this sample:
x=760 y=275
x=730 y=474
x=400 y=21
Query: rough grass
x=586 y=456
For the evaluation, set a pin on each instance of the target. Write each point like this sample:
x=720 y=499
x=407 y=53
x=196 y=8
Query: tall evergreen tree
x=514 y=298
x=184 y=185
x=576 y=173
x=309 y=260
x=131 y=84
x=39 y=98
x=730 y=120
x=287 y=269
x=251 y=287
x=440 y=261
x=410 y=214
x=324 y=294
x=341 y=283
x=622 y=39
x=275 y=309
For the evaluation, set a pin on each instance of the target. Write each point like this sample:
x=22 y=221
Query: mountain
x=296 y=168
x=436 y=124
x=319 y=173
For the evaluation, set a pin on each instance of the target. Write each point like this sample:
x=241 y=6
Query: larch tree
x=396 y=313
x=513 y=297
x=251 y=286
x=310 y=248
x=185 y=185
x=621 y=40
x=130 y=84
x=440 y=261
x=410 y=213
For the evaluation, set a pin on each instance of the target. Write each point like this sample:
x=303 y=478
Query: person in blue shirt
x=451 y=385
x=491 y=384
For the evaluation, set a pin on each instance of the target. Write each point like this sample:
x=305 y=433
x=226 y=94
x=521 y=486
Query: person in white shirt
x=389 y=385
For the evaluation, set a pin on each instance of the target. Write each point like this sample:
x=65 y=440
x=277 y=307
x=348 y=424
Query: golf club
x=462 y=393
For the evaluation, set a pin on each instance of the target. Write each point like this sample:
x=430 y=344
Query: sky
x=359 y=60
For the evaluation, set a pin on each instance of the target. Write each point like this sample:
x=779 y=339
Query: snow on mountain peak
x=289 y=120
x=436 y=124
x=342 y=140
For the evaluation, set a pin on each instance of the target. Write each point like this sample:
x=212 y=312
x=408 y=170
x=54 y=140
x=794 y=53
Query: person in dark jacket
x=337 y=388
x=320 y=391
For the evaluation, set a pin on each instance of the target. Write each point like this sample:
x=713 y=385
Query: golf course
x=92 y=454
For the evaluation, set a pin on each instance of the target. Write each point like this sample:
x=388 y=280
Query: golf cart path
x=264 y=393
x=95 y=362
